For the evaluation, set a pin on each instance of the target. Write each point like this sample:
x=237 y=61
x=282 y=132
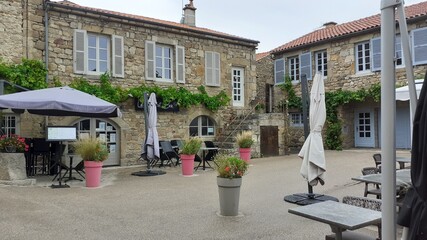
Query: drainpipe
x=46 y=38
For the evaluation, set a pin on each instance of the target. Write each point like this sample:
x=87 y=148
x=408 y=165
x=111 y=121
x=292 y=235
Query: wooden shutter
x=279 y=71
x=217 y=70
x=419 y=43
x=180 y=64
x=305 y=65
x=376 y=54
x=209 y=68
x=118 y=56
x=79 y=51
x=150 y=66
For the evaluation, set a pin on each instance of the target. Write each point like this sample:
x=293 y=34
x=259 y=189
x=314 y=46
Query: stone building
x=77 y=41
x=347 y=55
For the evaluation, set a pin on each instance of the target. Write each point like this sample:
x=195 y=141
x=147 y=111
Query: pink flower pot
x=187 y=163
x=245 y=154
x=93 y=173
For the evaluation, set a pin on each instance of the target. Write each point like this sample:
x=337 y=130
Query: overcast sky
x=271 y=22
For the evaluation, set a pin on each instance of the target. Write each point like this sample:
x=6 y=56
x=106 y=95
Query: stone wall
x=11 y=31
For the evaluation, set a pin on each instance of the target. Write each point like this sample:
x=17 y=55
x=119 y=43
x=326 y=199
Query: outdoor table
x=339 y=216
x=205 y=150
x=403 y=178
x=402 y=161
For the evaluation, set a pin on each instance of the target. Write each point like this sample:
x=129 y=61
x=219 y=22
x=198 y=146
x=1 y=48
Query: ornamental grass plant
x=91 y=149
x=244 y=139
x=229 y=166
x=191 y=146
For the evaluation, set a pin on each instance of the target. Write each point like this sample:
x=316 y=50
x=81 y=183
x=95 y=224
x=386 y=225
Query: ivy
x=29 y=74
x=333 y=100
x=292 y=101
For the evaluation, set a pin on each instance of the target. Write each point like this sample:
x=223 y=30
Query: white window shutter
x=150 y=66
x=305 y=65
x=180 y=64
x=279 y=70
x=376 y=54
x=118 y=56
x=79 y=51
x=217 y=70
x=419 y=43
x=209 y=68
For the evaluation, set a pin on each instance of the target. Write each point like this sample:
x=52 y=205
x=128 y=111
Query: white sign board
x=56 y=133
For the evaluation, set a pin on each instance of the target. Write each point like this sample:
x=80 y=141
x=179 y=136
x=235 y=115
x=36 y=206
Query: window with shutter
x=294 y=68
x=322 y=62
x=279 y=71
x=419 y=44
x=363 y=57
x=305 y=65
x=149 y=60
x=212 y=68
x=79 y=53
x=180 y=64
x=118 y=56
x=163 y=63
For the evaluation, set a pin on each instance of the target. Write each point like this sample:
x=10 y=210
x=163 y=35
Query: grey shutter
x=217 y=70
x=209 y=68
x=305 y=65
x=79 y=51
x=376 y=54
x=279 y=71
x=118 y=56
x=150 y=66
x=419 y=43
x=180 y=64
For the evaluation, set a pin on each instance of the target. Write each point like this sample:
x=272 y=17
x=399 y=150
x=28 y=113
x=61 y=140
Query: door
x=269 y=141
x=238 y=86
x=364 y=128
x=106 y=132
x=402 y=127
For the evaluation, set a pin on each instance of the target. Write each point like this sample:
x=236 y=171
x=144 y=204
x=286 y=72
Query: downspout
x=46 y=38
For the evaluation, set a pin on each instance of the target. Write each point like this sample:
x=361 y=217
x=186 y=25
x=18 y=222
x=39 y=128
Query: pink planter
x=93 y=173
x=245 y=154
x=187 y=162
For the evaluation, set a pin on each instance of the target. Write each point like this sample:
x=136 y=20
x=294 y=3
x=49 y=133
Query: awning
x=402 y=93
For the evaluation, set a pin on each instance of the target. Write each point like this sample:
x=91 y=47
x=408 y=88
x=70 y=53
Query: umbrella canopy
x=59 y=101
x=152 y=137
x=312 y=152
x=413 y=214
x=402 y=93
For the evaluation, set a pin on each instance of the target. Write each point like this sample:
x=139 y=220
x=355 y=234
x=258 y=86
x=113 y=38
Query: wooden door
x=269 y=141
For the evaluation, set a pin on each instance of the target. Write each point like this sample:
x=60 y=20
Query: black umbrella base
x=60 y=185
x=149 y=173
x=308 y=198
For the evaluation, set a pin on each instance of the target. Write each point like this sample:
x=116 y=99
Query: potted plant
x=190 y=148
x=13 y=143
x=93 y=152
x=230 y=171
x=244 y=141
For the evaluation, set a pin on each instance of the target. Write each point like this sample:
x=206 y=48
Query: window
x=212 y=68
x=279 y=71
x=322 y=63
x=9 y=125
x=294 y=68
x=419 y=46
x=202 y=126
x=159 y=62
x=363 y=61
x=296 y=119
x=93 y=54
x=376 y=53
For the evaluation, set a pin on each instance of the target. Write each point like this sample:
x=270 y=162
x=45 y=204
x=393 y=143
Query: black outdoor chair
x=374 y=191
x=177 y=144
x=168 y=154
x=40 y=156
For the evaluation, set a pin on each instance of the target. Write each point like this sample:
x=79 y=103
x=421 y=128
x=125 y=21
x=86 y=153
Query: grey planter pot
x=229 y=193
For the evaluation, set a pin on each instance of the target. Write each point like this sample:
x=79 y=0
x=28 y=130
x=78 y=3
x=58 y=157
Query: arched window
x=202 y=126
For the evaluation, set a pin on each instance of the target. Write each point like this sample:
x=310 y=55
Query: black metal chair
x=40 y=156
x=168 y=154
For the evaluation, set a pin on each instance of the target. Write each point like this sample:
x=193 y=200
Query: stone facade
x=11 y=31
x=63 y=20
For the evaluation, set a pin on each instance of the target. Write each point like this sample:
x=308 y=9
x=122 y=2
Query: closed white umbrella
x=152 y=141
x=312 y=152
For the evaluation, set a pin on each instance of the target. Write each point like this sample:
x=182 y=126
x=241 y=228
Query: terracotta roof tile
x=262 y=55
x=154 y=21
x=413 y=11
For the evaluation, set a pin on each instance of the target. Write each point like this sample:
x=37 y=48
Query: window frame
x=294 y=68
x=98 y=48
x=322 y=67
x=376 y=53
x=296 y=115
x=6 y=129
x=366 y=63
x=200 y=126
x=171 y=58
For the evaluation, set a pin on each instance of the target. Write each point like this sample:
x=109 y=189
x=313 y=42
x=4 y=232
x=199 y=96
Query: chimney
x=329 y=24
x=189 y=17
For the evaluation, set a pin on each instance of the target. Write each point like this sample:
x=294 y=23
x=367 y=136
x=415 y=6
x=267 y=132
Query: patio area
x=171 y=206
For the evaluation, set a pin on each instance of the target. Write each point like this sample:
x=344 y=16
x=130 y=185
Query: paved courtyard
x=171 y=206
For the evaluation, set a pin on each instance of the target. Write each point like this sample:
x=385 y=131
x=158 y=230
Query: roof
x=180 y=26
x=262 y=55
x=349 y=28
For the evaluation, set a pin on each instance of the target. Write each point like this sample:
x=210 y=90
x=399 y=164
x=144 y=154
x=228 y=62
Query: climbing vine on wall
x=333 y=100
x=31 y=74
